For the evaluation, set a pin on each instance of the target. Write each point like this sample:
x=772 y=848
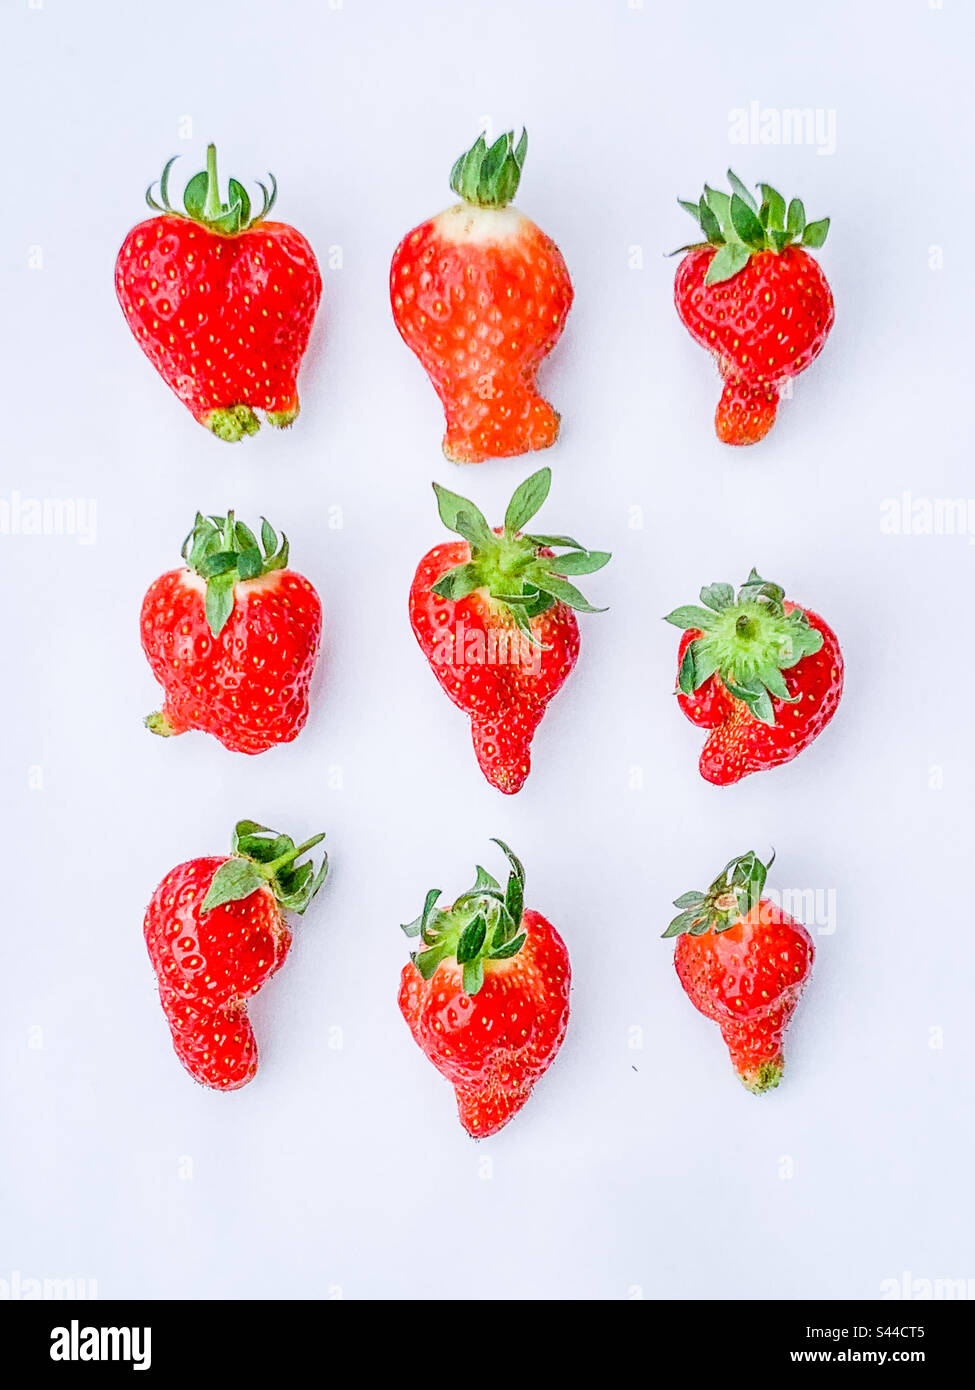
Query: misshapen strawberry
x=743 y=962
x=764 y=676
x=215 y=934
x=486 y=996
x=754 y=297
x=493 y=616
x=232 y=638
x=221 y=303
x=481 y=295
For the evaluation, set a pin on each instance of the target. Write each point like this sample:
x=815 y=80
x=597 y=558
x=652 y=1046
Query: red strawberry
x=763 y=675
x=744 y=963
x=493 y=616
x=486 y=997
x=220 y=303
x=481 y=295
x=232 y=638
x=215 y=934
x=754 y=297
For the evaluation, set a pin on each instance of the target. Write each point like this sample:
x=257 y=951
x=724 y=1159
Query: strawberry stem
x=270 y=870
x=213 y=207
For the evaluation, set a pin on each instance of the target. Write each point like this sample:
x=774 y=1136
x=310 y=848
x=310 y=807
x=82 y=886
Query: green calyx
x=484 y=924
x=202 y=201
x=747 y=642
x=262 y=858
x=222 y=550
x=739 y=225
x=511 y=566
x=488 y=176
x=732 y=895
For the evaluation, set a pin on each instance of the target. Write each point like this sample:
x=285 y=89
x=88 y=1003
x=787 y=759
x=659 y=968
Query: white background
x=632 y=1169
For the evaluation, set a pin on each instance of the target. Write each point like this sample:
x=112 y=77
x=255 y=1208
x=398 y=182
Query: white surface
x=630 y=1169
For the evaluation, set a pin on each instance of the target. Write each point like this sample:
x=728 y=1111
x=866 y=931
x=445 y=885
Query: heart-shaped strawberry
x=222 y=304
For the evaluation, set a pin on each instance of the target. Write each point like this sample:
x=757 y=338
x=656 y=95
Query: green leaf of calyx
x=526 y=501
x=471 y=940
x=815 y=233
x=727 y=262
x=796 y=219
x=485 y=882
x=422 y=926
x=458 y=582
x=774 y=204
x=562 y=590
x=219 y=602
x=235 y=879
x=427 y=961
x=747 y=224
x=462 y=516
x=719 y=203
x=509 y=949
x=194 y=195
x=743 y=192
x=690 y=616
x=691 y=899
x=581 y=562
x=718 y=596
x=710 y=224
x=473 y=976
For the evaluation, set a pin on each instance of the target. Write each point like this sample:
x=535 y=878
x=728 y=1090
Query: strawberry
x=486 y=996
x=215 y=933
x=753 y=296
x=763 y=675
x=481 y=295
x=232 y=638
x=493 y=616
x=744 y=963
x=221 y=303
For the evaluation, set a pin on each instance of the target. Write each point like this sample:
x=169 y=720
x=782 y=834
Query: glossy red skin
x=481 y=317
x=225 y=320
x=748 y=980
x=740 y=744
x=208 y=964
x=765 y=324
x=505 y=700
x=248 y=686
x=492 y=1048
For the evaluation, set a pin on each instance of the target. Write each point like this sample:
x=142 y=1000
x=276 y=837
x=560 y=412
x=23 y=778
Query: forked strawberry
x=232 y=638
x=752 y=295
x=481 y=295
x=743 y=962
x=493 y=616
x=486 y=995
x=220 y=302
x=215 y=933
x=762 y=675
